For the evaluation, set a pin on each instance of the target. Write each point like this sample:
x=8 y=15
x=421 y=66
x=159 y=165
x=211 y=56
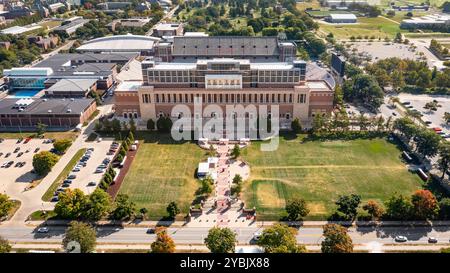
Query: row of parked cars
x=69 y=179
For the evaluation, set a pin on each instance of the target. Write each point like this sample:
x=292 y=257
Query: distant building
x=411 y=8
x=55 y=113
x=17 y=30
x=55 y=7
x=6 y=45
x=341 y=18
x=17 y=12
x=426 y=22
x=113 y=5
x=129 y=23
x=342 y=3
x=141 y=44
x=168 y=29
x=69 y=27
x=44 y=43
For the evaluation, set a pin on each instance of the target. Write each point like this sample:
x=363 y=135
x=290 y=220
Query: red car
x=27 y=140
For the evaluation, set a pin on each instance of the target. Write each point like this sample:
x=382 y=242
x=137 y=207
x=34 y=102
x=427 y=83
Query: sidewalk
x=140 y=224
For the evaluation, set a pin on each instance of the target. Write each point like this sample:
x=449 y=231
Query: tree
x=5 y=247
x=124 y=207
x=150 y=124
x=374 y=209
x=81 y=234
x=40 y=129
x=44 y=161
x=280 y=238
x=237 y=179
x=348 y=205
x=207 y=185
x=61 y=145
x=116 y=126
x=98 y=205
x=164 y=124
x=444 y=157
x=425 y=205
x=398 y=207
x=427 y=142
x=296 y=208
x=172 y=209
x=444 y=209
x=336 y=239
x=132 y=126
x=364 y=88
x=221 y=240
x=5 y=205
x=296 y=126
x=163 y=242
x=143 y=212
x=236 y=152
x=71 y=204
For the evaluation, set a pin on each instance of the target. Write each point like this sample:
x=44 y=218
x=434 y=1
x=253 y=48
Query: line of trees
x=75 y=205
x=424 y=141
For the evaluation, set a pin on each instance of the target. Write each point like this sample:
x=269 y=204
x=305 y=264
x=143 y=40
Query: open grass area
x=65 y=172
x=313 y=4
x=379 y=27
x=163 y=171
x=40 y=215
x=321 y=171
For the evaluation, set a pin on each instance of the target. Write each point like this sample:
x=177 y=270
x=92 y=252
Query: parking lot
x=14 y=179
x=382 y=50
x=434 y=118
x=86 y=177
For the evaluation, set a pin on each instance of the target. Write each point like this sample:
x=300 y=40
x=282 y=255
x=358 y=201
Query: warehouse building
x=341 y=18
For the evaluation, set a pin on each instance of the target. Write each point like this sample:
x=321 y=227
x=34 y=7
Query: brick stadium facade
x=226 y=71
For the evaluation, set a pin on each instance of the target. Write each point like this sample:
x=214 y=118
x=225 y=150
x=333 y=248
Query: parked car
x=65 y=185
x=27 y=140
x=55 y=199
x=71 y=176
x=43 y=230
x=67 y=181
x=401 y=239
x=91 y=184
x=19 y=140
x=20 y=154
x=37 y=149
x=98 y=170
x=17 y=149
x=1 y=154
x=76 y=169
x=432 y=240
x=7 y=155
x=150 y=231
x=257 y=235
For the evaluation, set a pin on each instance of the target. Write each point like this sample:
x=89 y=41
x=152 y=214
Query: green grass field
x=163 y=171
x=378 y=27
x=321 y=171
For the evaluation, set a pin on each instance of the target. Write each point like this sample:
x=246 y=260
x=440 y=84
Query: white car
x=257 y=235
x=43 y=230
x=401 y=239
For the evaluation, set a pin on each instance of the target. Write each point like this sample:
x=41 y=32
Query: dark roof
x=225 y=46
x=43 y=106
x=71 y=24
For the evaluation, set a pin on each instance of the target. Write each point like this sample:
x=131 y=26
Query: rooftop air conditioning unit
x=49 y=111
x=69 y=110
x=72 y=99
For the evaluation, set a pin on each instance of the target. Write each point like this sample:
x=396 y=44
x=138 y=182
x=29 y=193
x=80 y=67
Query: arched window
x=125 y=115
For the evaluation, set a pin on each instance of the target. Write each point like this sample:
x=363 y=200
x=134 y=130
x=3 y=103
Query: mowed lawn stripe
x=163 y=171
x=321 y=171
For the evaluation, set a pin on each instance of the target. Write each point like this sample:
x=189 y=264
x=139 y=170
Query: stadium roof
x=120 y=43
x=225 y=46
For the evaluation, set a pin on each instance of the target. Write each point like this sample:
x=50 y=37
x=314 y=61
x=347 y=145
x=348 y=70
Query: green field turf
x=163 y=171
x=321 y=171
x=378 y=27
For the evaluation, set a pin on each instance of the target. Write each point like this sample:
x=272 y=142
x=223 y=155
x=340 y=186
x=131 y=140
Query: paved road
x=196 y=235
